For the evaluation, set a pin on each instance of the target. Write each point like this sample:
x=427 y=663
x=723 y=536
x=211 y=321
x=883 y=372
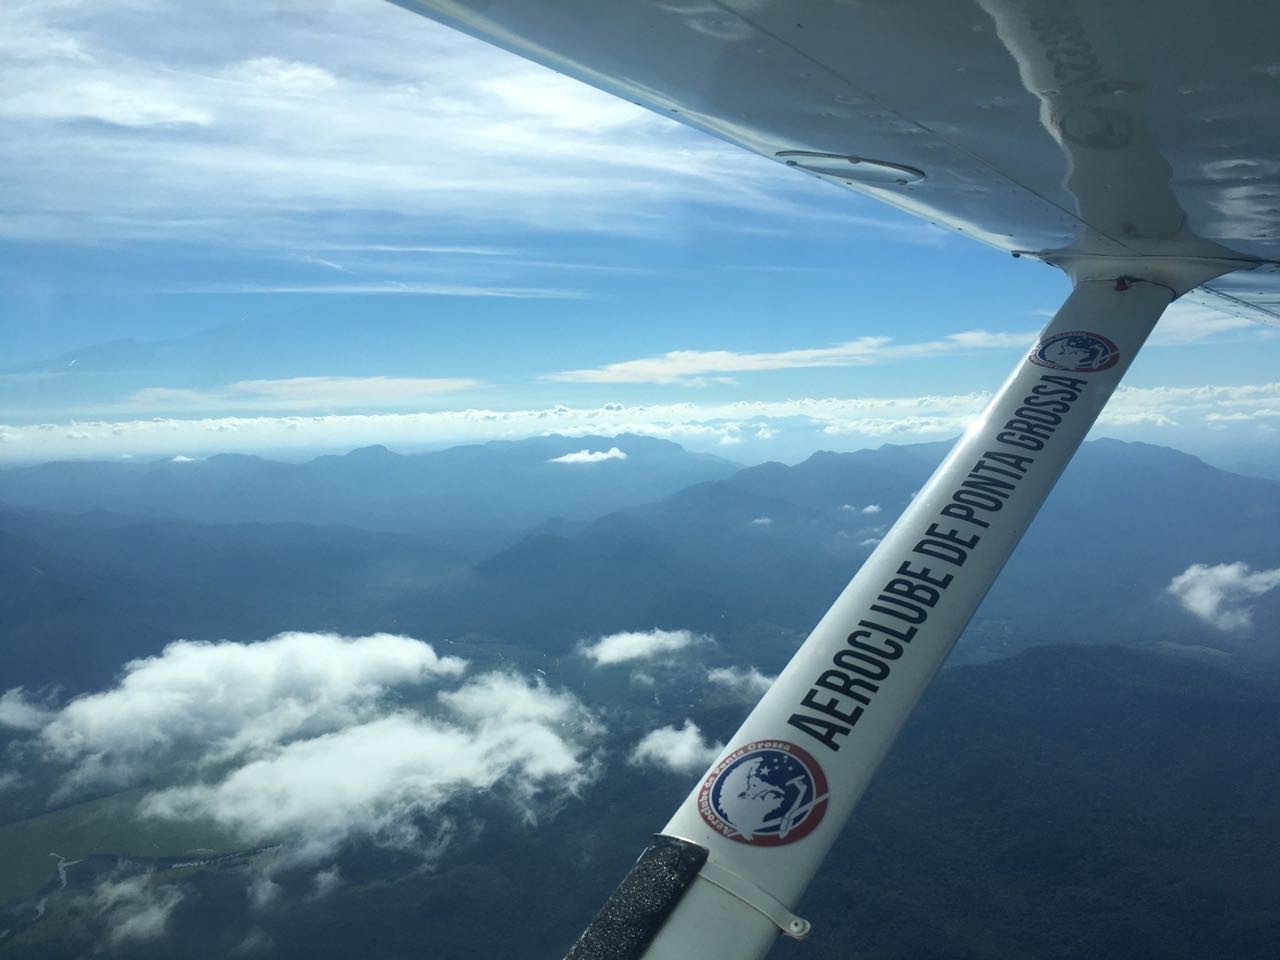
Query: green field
x=106 y=825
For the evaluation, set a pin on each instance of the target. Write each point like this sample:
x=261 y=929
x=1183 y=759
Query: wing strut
x=771 y=806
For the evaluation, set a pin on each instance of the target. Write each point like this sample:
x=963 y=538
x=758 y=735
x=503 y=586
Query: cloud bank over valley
x=316 y=739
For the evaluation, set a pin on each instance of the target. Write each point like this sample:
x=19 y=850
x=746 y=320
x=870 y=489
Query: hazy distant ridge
x=469 y=496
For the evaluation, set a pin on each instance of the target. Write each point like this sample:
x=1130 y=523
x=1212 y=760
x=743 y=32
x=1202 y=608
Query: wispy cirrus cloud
x=241 y=137
x=1183 y=323
x=694 y=366
x=1186 y=321
x=388 y=288
x=306 y=393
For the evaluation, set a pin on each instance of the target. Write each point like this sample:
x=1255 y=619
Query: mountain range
x=1092 y=775
x=431 y=545
x=473 y=497
x=778 y=543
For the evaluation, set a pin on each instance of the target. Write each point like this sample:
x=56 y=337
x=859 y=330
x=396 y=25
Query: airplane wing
x=1047 y=127
x=1132 y=144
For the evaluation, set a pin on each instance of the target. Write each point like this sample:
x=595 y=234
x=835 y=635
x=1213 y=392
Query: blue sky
x=290 y=227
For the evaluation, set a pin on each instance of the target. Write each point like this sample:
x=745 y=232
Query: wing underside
x=1049 y=128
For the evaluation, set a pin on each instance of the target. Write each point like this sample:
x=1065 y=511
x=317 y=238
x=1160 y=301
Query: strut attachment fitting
x=795 y=927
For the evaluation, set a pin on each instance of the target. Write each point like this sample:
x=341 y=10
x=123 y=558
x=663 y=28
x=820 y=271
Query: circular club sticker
x=1076 y=352
x=766 y=793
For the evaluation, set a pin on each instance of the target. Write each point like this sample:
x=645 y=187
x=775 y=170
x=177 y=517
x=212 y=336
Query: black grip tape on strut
x=632 y=916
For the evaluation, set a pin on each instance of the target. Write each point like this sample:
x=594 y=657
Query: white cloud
x=1218 y=594
x=1240 y=416
x=325 y=882
x=590 y=456
x=306 y=393
x=706 y=424
x=256 y=941
x=387 y=288
x=749 y=683
x=1212 y=405
x=223 y=702
x=871 y=508
x=383 y=778
x=980 y=340
x=683 y=750
x=290 y=77
x=679 y=366
x=235 y=148
x=1139 y=418
x=305 y=739
x=693 y=366
x=762 y=522
x=263 y=892
x=19 y=712
x=1188 y=322
x=908 y=426
x=120 y=101
x=134 y=908
x=547 y=97
x=636 y=645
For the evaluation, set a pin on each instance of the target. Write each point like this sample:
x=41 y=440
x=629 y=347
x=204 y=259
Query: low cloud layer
x=384 y=779
x=627 y=647
x=682 y=751
x=1220 y=594
x=827 y=421
x=307 y=739
x=590 y=456
x=224 y=702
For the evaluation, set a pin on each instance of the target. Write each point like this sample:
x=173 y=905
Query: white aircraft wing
x=1050 y=127
x=1132 y=143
